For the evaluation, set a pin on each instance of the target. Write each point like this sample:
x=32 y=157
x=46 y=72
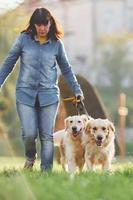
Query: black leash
x=81 y=107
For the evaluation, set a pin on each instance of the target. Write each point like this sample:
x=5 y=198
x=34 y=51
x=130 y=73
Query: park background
x=99 y=43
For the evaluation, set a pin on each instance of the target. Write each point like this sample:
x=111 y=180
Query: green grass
x=16 y=183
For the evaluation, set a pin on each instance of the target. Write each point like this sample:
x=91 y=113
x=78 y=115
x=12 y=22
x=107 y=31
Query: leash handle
x=72 y=99
x=79 y=104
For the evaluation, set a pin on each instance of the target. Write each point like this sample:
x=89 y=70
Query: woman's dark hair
x=43 y=16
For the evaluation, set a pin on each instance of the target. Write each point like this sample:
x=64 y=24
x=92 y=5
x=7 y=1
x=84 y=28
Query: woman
x=37 y=95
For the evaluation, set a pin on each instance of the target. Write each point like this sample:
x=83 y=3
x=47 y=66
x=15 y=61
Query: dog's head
x=75 y=125
x=100 y=131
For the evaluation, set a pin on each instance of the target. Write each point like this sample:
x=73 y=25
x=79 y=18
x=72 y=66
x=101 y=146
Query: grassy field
x=34 y=185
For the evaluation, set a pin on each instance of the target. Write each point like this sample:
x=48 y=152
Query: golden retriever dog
x=71 y=148
x=99 y=143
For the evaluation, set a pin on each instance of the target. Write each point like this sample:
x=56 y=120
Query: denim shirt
x=38 y=70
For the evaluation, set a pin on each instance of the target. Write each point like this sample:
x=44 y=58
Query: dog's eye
x=71 y=121
x=95 y=128
x=79 y=121
x=103 y=128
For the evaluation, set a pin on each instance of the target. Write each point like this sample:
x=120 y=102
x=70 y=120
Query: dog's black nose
x=99 y=137
x=74 y=128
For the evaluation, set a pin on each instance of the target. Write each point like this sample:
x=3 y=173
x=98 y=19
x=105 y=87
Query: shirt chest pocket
x=50 y=72
x=49 y=60
x=49 y=64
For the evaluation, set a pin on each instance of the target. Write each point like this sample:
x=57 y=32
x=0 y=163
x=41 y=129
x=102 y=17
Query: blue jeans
x=38 y=120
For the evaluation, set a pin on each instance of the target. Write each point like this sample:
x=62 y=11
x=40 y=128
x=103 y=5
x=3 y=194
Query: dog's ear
x=67 y=122
x=89 y=117
x=85 y=119
x=88 y=127
x=111 y=126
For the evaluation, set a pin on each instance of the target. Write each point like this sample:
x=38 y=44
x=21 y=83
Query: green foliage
x=116 y=60
x=4 y=104
x=129 y=149
x=118 y=67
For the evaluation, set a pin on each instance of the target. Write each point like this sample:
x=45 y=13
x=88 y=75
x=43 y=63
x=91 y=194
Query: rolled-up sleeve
x=10 y=61
x=66 y=70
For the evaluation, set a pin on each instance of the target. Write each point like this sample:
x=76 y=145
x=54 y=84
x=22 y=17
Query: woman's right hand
x=80 y=97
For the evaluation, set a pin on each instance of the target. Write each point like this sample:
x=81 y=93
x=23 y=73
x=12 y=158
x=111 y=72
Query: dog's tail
x=58 y=136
